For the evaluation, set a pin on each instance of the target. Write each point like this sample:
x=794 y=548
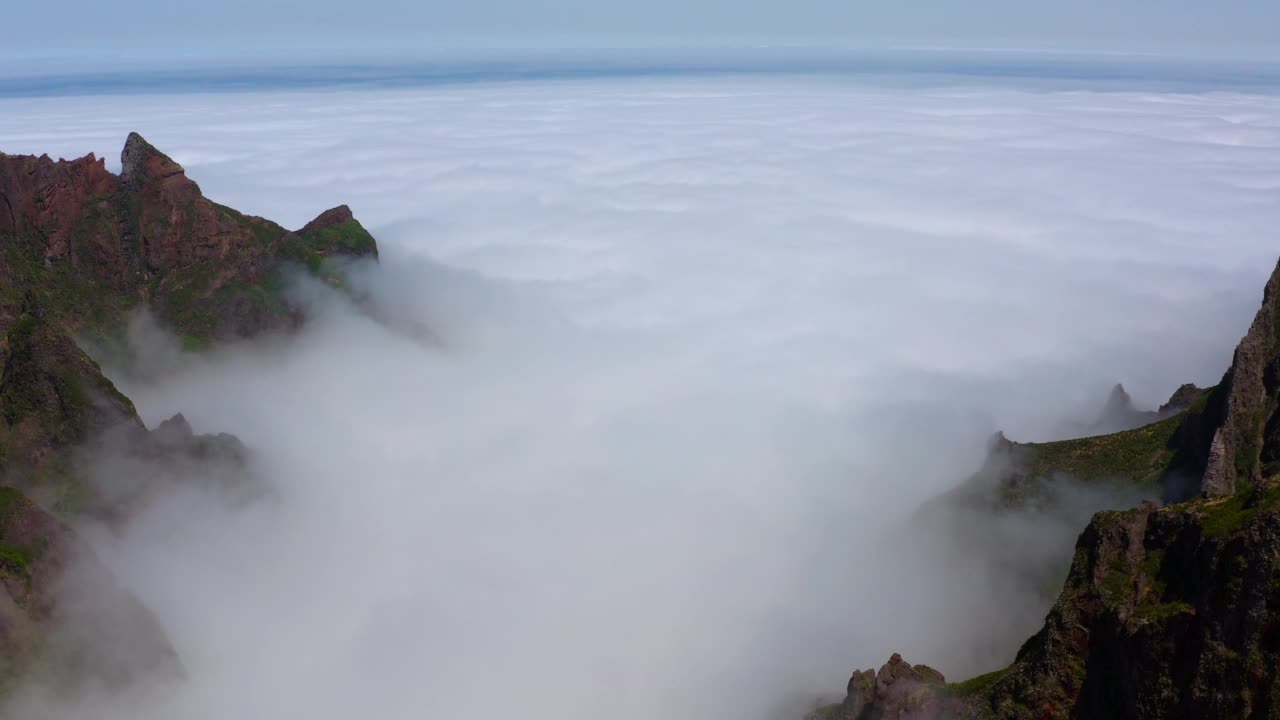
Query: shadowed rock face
x=1247 y=402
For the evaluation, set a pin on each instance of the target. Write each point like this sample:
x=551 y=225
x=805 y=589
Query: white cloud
x=707 y=343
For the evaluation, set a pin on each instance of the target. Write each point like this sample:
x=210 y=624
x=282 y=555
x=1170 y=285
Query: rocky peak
x=141 y=162
x=1119 y=399
x=899 y=690
x=328 y=218
x=1181 y=399
x=337 y=232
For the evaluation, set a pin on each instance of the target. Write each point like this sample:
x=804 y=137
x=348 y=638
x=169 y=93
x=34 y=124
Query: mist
x=662 y=374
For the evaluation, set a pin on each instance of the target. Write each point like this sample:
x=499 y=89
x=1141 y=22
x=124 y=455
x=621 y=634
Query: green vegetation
x=1202 y=402
x=17 y=391
x=14 y=557
x=1221 y=518
x=1152 y=563
x=348 y=237
x=1117 y=585
x=1140 y=455
x=1163 y=610
x=185 y=300
x=978 y=685
x=10 y=499
x=1247 y=450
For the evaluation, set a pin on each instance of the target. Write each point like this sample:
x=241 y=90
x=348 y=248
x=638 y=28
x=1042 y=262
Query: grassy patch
x=17 y=387
x=1162 y=610
x=1140 y=455
x=1225 y=517
x=978 y=685
x=15 y=557
x=1117 y=585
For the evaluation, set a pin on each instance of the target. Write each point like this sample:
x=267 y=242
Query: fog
x=698 y=350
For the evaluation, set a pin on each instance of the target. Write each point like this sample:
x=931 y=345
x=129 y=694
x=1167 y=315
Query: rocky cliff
x=80 y=249
x=1170 y=610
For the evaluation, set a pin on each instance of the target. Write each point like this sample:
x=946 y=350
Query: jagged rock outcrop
x=898 y=690
x=96 y=245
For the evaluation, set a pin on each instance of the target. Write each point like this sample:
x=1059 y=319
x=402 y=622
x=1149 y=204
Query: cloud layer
x=703 y=347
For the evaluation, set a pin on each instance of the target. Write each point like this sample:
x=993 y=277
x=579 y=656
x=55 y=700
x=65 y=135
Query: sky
x=703 y=346
x=155 y=31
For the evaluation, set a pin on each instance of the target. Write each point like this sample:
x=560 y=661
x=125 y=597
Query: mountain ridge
x=81 y=251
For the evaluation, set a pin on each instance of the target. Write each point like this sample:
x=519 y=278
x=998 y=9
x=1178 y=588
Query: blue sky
x=90 y=31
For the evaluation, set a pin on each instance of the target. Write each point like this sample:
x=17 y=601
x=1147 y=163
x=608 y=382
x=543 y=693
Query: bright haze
x=701 y=341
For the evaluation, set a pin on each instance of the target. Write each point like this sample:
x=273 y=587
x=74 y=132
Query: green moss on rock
x=348 y=238
x=978 y=685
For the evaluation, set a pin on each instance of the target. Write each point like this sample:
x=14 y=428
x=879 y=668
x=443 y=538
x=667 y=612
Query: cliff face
x=1171 y=613
x=1237 y=456
x=80 y=248
x=1167 y=612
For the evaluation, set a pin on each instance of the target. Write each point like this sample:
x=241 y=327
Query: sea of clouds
x=699 y=348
